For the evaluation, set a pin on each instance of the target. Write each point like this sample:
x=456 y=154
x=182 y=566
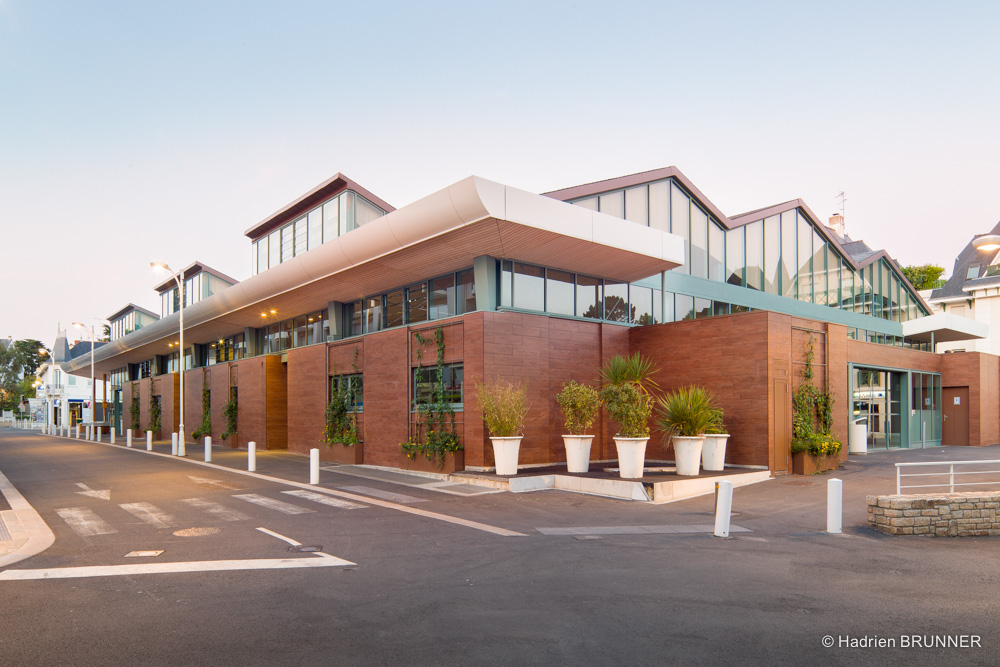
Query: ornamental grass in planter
x=579 y=404
x=505 y=405
x=684 y=416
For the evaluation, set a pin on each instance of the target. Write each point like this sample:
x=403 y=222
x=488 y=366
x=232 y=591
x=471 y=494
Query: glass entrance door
x=878 y=401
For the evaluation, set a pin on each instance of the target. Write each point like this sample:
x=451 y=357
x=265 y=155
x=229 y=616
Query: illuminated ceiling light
x=273 y=311
x=263 y=314
x=987 y=242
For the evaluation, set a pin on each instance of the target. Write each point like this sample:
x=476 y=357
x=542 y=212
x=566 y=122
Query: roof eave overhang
x=440 y=233
x=944 y=328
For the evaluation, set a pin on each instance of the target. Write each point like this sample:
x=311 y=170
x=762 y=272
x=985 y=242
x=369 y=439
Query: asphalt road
x=418 y=575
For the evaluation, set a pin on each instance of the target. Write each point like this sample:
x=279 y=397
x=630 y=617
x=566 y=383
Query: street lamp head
x=79 y=324
x=159 y=265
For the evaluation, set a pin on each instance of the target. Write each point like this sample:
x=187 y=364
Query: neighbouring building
x=482 y=279
x=69 y=397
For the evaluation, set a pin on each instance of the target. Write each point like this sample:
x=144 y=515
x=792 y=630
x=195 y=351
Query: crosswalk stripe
x=85 y=522
x=271 y=503
x=324 y=500
x=218 y=511
x=149 y=513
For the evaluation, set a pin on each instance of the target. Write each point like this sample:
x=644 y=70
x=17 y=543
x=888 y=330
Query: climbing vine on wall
x=812 y=412
x=435 y=433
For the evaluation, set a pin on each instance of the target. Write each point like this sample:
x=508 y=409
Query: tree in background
x=927 y=276
x=18 y=362
x=105 y=334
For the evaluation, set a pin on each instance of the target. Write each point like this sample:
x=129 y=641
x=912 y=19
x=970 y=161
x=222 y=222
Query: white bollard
x=173 y=444
x=724 y=508
x=181 y=449
x=314 y=466
x=252 y=456
x=149 y=441
x=208 y=449
x=128 y=437
x=111 y=431
x=100 y=432
x=834 y=505
x=77 y=431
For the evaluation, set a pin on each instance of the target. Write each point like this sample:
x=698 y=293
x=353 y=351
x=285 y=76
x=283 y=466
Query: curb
x=29 y=533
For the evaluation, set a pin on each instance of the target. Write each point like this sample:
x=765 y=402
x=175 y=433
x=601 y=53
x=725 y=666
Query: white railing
x=951 y=474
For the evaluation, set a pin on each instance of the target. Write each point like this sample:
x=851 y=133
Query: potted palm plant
x=626 y=395
x=684 y=416
x=579 y=404
x=713 y=452
x=505 y=405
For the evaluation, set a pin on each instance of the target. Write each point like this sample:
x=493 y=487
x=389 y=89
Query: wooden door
x=955 y=429
x=781 y=448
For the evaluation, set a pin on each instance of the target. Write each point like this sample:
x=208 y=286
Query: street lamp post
x=180 y=353
x=93 y=387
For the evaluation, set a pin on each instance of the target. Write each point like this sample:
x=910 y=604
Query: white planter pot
x=505 y=452
x=631 y=457
x=578 y=452
x=687 y=454
x=713 y=452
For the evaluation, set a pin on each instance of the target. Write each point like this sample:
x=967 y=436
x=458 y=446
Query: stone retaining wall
x=971 y=514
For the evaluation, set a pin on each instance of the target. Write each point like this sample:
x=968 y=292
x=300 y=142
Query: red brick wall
x=979 y=372
x=729 y=356
x=307 y=377
x=193 y=381
x=387 y=408
x=252 y=416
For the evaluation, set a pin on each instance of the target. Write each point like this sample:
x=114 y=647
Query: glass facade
x=131 y=321
x=434 y=299
x=782 y=254
x=199 y=286
x=334 y=217
x=425 y=381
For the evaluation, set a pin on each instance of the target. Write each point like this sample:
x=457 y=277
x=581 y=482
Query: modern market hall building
x=347 y=289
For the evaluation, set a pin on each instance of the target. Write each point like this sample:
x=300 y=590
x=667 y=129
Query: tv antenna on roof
x=842 y=196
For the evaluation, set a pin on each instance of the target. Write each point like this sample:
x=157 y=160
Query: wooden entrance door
x=955 y=430
x=781 y=449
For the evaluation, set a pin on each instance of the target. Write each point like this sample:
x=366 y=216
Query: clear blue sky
x=132 y=131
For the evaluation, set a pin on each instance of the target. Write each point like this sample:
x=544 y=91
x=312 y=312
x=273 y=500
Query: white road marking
x=202 y=481
x=280 y=537
x=143 y=554
x=272 y=504
x=85 y=522
x=314 y=560
x=386 y=495
x=636 y=530
x=218 y=511
x=100 y=495
x=324 y=500
x=151 y=514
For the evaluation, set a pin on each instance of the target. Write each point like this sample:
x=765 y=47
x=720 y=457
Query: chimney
x=837 y=224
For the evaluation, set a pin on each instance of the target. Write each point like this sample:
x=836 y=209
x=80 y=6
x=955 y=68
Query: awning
x=942 y=328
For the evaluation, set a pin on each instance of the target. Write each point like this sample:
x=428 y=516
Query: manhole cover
x=197 y=532
x=306 y=548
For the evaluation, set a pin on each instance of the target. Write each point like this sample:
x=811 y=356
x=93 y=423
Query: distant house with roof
x=68 y=397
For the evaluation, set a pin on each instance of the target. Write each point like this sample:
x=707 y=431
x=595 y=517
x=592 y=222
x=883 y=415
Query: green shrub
x=505 y=405
x=579 y=404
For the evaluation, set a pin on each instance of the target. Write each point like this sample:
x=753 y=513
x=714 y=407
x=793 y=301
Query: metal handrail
x=951 y=484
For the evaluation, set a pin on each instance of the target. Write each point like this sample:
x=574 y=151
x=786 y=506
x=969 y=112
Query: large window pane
x=699 y=242
x=301 y=236
x=832 y=277
x=394 y=308
x=274 y=248
x=679 y=223
x=506 y=284
x=442 y=297
x=635 y=205
x=373 y=314
x=613 y=203
x=735 y=259
x=314 y=330
x=641 y=305
x=529 y=287
x=805 y=288
x=299 y=332
x=416 y=303
x=559 y=290
x=590 y=203
x=716 y=253
x=668 y=306
x=772 y=254
x=425 y=385
x=331 y=219
x=467 y=291
x=789 y=265
x=285 y=335
x=589 y=298
x=659 y=205
x=346 y=212
x=702 y=308
x=685 y=308
x=755 y=255
x=315 y=228
x=287 y=243
x=261 y=248
x=365 y=211
x=616 y=302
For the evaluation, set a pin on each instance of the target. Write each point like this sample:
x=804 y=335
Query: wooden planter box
x=453 y=462
x=337 y=453
x=804 y=463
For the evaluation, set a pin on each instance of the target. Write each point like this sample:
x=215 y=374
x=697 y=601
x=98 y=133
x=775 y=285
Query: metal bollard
x=208 y=449
x=149 y=441
x=128 y=437
x=724 y=509
x=112 y=432
x=252 y=456
x=100 y=432
x=77 y=431
x=834 y=505
x=173 y=444
x=314 y=466
x=181 y=449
